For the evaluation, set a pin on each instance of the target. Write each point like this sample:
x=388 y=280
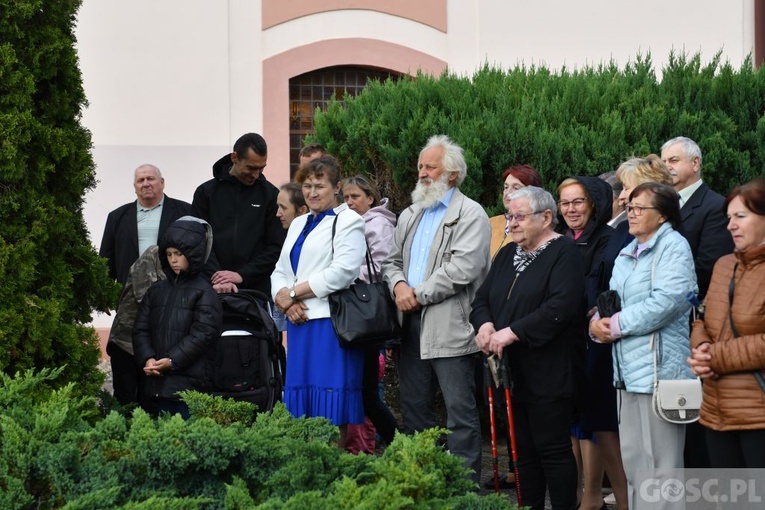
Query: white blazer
x=325 y=272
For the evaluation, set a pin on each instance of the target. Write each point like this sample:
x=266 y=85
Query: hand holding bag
x=609 y=303
x=364 y=314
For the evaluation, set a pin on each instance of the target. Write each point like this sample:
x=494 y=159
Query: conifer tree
x=51 y=278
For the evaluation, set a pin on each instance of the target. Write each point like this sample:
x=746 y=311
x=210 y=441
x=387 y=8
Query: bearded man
x=439 y=258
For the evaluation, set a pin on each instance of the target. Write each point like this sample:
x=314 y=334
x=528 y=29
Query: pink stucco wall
x=427 y=12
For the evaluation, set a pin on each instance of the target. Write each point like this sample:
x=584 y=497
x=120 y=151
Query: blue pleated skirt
x=322 y=379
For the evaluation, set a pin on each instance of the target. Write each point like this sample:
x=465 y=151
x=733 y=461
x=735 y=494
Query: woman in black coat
x=585 y=207
x=531 y=311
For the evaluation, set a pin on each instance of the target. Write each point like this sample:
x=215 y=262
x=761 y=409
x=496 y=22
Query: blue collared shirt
x=423 y=239
x=147 y=221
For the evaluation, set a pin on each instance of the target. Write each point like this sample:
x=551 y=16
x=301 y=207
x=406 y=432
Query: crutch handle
x=504 y=375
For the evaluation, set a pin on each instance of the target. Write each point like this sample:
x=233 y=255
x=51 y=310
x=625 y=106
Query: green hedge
x=55 y=452
x=580 y=122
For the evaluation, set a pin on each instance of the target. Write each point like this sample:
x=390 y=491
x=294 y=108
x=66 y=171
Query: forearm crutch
x=492 y=422
x=507 y=383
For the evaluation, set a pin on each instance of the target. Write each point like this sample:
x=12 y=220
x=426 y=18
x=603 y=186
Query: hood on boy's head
x=192 y=237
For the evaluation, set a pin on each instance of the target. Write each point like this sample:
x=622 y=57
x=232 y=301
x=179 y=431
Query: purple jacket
x=379 y=224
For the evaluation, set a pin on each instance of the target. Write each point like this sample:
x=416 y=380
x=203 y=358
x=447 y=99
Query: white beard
x=427 y=195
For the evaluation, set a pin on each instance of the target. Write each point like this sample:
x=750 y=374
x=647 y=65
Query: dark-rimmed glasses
x=575 y=203
x=637 y=210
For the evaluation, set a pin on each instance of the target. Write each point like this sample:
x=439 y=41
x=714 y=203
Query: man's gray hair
x=690 y=147
x=539 y=200
x=148 y=165
x=453 y=159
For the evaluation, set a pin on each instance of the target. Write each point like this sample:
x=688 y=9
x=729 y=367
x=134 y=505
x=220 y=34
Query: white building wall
x=175 y=82
x=558 y=33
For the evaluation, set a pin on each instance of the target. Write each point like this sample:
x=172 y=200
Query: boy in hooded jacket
x=179 y=320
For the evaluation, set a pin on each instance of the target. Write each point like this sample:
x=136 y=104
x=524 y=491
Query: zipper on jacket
x=443 y=241
x=236 y=220
x=513 y=285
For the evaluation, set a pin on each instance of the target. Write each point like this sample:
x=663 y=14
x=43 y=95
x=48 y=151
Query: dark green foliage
x=221 y=411
x=52 y=456
x=581 y=122
x=50 y=276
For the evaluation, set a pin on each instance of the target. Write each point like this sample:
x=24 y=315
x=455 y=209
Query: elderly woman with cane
x=530 y=311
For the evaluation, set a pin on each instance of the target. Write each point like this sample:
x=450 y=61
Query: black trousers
x=126 y=375
x=736 y=448
x=545 y=458
x=374 y=407
x=128 y=379
x=695 y=453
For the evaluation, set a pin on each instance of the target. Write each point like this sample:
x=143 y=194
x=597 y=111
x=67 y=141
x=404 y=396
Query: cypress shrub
x=51 y=278
x=571 y=122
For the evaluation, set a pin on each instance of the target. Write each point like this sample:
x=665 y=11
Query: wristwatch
x=293 y=295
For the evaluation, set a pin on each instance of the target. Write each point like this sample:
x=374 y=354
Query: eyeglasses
x=520 y=217
x=637 y=210
x=575 y=203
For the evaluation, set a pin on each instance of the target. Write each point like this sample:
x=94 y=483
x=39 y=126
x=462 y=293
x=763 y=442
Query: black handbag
x=609 y=303
x=364 y=314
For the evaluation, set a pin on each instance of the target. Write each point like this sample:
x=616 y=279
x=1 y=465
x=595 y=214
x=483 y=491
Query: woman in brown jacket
x=729 y=343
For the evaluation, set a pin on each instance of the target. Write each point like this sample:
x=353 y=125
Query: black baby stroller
x=247 y=364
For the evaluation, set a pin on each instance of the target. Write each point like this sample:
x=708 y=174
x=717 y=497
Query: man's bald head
x=149 y=185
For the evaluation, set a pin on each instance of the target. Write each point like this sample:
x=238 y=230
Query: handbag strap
x=374 y=275
x=655 y=337
x=731 y=290
x=334 y=228
x=371 y=269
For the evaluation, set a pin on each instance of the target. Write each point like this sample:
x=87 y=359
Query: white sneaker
x=610 y=499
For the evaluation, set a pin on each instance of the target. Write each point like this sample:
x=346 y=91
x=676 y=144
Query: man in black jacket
x=240 y=204
x=705 y=227
x=130 y=230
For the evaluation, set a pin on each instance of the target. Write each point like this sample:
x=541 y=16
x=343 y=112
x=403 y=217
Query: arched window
x=315 y=90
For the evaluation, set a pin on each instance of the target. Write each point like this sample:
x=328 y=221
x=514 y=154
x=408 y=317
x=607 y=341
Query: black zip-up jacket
x=180 y=318
x=248 y=235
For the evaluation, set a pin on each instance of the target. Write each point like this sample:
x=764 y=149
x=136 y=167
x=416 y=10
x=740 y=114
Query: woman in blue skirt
x=321 y=254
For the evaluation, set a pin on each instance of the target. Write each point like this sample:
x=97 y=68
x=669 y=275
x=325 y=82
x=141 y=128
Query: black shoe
x=503 y=483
